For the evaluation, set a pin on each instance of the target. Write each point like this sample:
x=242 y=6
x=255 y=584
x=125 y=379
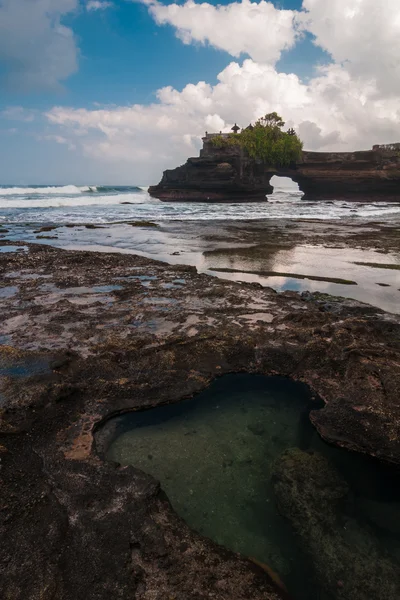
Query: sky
x=115 y=91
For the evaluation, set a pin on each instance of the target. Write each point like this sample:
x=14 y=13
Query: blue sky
x=123 y=57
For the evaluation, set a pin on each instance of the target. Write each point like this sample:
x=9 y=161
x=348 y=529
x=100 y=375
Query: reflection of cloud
x=260 y=257
x=380 y=297
x=285 y=260
x=287 y=284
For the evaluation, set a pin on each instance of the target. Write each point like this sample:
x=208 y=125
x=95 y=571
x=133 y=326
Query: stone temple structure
x=227 y=174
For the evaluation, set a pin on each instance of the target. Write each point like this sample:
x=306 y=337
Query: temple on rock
x=224 y=173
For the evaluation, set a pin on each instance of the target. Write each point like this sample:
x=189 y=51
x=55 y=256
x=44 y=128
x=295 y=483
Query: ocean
x=294 y=240
x=107 y=204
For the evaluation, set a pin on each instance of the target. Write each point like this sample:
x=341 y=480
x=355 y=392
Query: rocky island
x=228 y=174
x=86 y=336
x=169 y=435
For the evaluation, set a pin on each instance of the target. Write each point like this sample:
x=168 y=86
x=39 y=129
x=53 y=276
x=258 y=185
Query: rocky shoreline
x=86 y=336
x=226 y=174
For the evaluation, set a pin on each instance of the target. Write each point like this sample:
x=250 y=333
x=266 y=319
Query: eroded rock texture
x=226 y=175
x=348 y=559
x=88 y=335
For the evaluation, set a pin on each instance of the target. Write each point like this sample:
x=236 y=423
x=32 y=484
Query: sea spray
x=65 y=189
x=100 y=204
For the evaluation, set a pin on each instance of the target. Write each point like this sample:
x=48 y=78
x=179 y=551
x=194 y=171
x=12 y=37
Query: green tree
x=266 y=142
x=272 y=120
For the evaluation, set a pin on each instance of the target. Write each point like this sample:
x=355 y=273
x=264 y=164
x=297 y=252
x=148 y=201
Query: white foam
x=103 y=204
x=381 y=211
x=65 y=189
x=76 y=201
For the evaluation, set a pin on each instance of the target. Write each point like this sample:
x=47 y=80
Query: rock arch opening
x=284 y=185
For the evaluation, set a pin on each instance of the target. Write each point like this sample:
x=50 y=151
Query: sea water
x=197 y=234
x=104 y=204
x=215 y=454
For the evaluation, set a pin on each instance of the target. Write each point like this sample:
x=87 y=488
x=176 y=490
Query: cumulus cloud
x=330 y=113
x=349 y=104
x=36 y=50
x=98 y=5
x=363 y=35
x=257 y=29
x=313 y=137
x=139 y=136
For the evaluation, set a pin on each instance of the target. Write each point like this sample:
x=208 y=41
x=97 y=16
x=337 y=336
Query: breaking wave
x=68 y=190
x=99 y=204
x=118 y=189
x=92 y=200
x=65 y=189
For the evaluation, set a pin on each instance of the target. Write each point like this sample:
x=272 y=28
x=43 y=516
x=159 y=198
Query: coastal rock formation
x=78 y=349
x=228 y=175
x=348 y=559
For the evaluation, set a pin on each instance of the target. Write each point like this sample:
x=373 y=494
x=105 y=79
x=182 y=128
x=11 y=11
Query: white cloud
x=257 y=29
x=98 y=5
x=330 y=113
x=362 y=34
x=36 y=50
x=313 y=137
x=59 y=139
x=350 y=104
x=18 y=113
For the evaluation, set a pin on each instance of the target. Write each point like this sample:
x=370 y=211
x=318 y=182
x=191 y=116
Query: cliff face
x=367 y=175
x=226 y=175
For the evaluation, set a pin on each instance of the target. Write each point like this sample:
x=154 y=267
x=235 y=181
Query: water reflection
x=245 y=247
x=312 y=261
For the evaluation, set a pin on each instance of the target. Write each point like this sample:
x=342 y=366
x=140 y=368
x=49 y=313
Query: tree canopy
x=266 y=141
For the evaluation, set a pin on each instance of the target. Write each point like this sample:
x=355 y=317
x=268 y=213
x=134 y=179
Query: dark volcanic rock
x=80 y=349
x=80 y=529
x=227 y=174
x=348 y=560
x=208 y=179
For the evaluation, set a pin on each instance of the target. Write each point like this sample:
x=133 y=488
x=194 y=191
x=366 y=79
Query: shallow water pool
x=215 y=456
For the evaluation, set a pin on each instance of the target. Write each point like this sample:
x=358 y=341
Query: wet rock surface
x=86 y=336
x=311 y=255
x=348 y=559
